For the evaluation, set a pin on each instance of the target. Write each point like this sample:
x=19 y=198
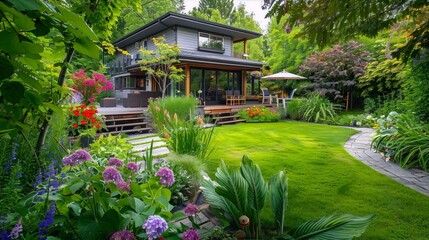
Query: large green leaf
x=232 y=186
x=6 y=69
x=9 y=42
x=22 y=22
x=75 y=22
x=87 y=47
x=222 y=205
x=339 y=227
x=12 y=91
x=278 y=198
x=26 y=5
x=257 y=186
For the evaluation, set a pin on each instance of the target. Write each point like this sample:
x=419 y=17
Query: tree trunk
x=45 y=125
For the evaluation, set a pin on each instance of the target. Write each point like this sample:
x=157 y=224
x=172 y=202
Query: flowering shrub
x=84 y=119
x=94 y=200
x=90 y=87
x=259 y=114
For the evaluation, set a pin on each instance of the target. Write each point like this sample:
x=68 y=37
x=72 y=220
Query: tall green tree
x=287 y=51
x=130 y=20
x=225 y=7
x=332 y=21
x=160 y=64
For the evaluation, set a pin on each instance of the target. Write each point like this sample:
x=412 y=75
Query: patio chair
x=229 y=96
x=288 y=99
x=239 y=98
x=266 y=95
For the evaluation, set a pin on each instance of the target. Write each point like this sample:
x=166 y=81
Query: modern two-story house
x=207 y=57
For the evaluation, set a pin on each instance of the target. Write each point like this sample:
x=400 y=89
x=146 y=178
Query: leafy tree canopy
x=160 y=64
x=326 y=22
x=335 y=71
x=225 y=7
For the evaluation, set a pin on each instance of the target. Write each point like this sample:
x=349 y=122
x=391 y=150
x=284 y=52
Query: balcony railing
x=119 y=65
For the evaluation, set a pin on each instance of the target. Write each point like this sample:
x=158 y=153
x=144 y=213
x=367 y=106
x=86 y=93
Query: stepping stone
x=156 y=152
x=144 y=140
x=143 y=135
x=142 y=147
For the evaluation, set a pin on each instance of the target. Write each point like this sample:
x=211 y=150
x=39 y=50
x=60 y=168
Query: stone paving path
x=359 y=146
x=141 y=142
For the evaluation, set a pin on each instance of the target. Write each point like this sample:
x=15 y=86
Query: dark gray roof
x=172 y=19
x=217 y=59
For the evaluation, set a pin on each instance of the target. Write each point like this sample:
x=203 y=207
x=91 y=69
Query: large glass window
x=210 y=42
x=214 y=84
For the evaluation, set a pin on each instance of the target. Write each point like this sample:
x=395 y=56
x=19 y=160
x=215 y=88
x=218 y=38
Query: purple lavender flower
x=49 y=219
x=123 y=235
x=191 y=209
x=115 y=162
x=166 y=176
x=191 y=234
x=77 y=157
x=4 y=235
x=288 y=29
x=111 y=175
x=155 y=226
x=123 y=185
x=133 y=167
x=14 y=234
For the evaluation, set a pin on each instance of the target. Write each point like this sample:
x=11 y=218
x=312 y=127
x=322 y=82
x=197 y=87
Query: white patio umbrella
x=283 y=76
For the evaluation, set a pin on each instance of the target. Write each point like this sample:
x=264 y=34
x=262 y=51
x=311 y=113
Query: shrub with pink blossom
x=90 y=87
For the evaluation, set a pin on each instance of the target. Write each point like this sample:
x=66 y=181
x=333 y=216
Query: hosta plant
x=238 y=196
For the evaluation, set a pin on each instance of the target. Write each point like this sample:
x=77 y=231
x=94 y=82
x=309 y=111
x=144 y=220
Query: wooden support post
x=244 y=83
x=188 y=80
x=245 y=46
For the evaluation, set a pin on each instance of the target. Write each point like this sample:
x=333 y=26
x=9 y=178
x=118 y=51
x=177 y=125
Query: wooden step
x=128 y=131
x=232 y=121
x=123 y=119
x=225 y=117
x=127 y=125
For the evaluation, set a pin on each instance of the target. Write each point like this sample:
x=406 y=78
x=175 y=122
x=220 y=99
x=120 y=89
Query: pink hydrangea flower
x=115 y=162
x=191 y=234
x=76 y=158
x=191 y=209
x=123 y=185
x=166 y=176
x=133 y=167
x=123 y=235
x=111 y=175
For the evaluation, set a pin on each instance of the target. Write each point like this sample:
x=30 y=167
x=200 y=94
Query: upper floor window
x=210 y=42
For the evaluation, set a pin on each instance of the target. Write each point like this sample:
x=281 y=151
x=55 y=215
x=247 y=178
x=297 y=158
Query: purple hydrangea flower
x=77 y=157
x=155 y=226
x=191 y=234
x=166 y=176
x=191 y=209
x=14 y=234
x=115 y=162
x=112 y=175
x=123 y=185
x=133 y=167
x=123 y=235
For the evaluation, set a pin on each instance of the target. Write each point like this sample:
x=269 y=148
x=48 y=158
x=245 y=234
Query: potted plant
x=84 y=122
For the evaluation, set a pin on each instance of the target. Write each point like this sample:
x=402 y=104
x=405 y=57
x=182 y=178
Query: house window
x=210 y=42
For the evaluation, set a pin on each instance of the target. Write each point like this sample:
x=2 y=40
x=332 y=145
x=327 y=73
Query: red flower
x=83 y=122
x=76 y=113
x=75 y=125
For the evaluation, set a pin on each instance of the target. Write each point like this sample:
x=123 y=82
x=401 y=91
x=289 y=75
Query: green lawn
x=323 y=177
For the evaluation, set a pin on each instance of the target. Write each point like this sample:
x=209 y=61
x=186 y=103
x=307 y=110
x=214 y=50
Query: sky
x=251 y=6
